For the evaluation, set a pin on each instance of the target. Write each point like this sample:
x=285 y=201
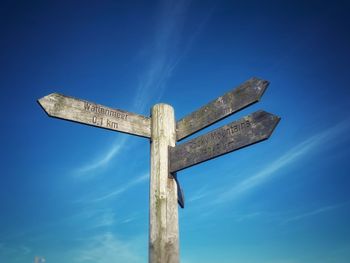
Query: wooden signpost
x=167 y=158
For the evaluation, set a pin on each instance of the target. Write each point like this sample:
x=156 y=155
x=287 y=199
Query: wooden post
x=164 y=228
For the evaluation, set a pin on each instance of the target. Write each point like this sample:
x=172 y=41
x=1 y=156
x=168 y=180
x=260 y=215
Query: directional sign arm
x=244 y=95
x=77 y=110
x=238 y=134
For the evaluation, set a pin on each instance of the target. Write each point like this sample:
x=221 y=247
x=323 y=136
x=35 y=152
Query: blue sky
x=73 y=193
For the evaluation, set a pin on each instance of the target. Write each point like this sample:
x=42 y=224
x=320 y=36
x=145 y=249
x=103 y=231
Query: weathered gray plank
x=82 y=111
x=164 y=227
x=244 y=95
x=246 y=131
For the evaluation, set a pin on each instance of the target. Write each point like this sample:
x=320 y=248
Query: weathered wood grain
x=82 y=111
x=164 y=227
x=244 y=95
x=246 y=131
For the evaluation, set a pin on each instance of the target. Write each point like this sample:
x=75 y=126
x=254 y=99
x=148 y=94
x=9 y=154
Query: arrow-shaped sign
x=244 y=95
x=238 y=134
x=77 y=110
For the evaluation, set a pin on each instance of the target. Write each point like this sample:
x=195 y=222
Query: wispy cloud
x=106 y=248
x=167 y=50
x=129 y=219
x=17 y=253
x=122 y=189
x=282 y=217
x=105 y=220
x=312 y=213
x=95 y=210
x=288 y=158
x=95 y=217
x=103 y=160
x=244 y=217
x=199 y=194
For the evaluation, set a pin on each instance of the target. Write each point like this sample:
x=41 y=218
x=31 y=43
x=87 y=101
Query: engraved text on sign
x=246 y=131
x=77 y=110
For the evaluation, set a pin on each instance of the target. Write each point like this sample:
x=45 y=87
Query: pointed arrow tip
x=268 y=120
x=46 y=103
x=260 y=86
x=274 y=122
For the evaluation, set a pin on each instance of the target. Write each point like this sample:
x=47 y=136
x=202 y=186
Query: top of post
x=162 y=105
